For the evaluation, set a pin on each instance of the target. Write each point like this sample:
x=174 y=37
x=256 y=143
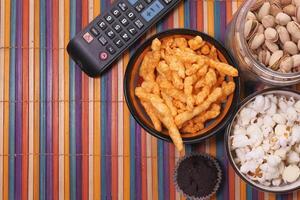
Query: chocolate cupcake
x=197 y=176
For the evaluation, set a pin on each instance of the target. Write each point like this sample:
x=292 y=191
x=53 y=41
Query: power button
x=103 y=55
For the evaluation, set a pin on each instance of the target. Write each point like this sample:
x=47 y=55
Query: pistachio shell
x=271 y=34
x=297 y=13
x=275 y=57
x=256 y=41
x=294 y=29
x=299 y=44
x=271 y=46
x=293 y=39
x=286 y=64
x=283 y=34
x=257 y=5
x=275 y=9
x=264 y=56
x=296 y=60
x=282 y=18
x=285 y=2
x=260 y=29
x=296 y=2
x=290 y=47
x=264 y=10
x=251 y=15
x=268 y=21
x=290 y=10
x=250 y=29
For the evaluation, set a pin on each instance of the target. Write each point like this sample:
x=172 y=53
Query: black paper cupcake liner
x=204 y=157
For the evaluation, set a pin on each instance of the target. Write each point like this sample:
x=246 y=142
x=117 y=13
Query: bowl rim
x=183 y=31
x=229 y=127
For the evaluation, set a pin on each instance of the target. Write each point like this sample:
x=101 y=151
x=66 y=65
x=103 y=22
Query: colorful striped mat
x=64 y=135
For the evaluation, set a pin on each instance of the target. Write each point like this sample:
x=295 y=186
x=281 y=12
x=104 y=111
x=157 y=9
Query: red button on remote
x=103 y=55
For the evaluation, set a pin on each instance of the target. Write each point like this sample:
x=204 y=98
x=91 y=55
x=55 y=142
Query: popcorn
x=291 y=173
x=266 y=140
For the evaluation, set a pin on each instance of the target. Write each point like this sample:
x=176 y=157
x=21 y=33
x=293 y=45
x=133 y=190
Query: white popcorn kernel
x=297 y=106
x=240 y=130
x=291 y=114
x=291 y=101
x=255 y=154
x=283 y=141
x=276 y=182
x=266 y=183
x=268 y=121
x=295 y=134
x=266 y=130
x=267 y=104
x=272 y=110
x=266 y=146
x=279 y=119
x=240 y=155
x=249 y=166
x=273 y=160
x=281 y=153
x=239 y=141
x=281 y=167
x=272 y=98
x=282 y=104
x=293 y=157
x=297 y=148
x=280 y=129
x=258 y=103
x=291 y=173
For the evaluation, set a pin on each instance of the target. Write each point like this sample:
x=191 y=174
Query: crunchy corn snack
x=183 y=85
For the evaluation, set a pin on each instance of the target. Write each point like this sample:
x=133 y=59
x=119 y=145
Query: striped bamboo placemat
x=64 y=135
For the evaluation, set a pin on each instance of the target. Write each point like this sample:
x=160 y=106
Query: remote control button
x=109 y=19
x=122 y=6
x=116 y=12
x=88 y=37
x=102 y=25
x=103 y=55
x=148 y=1
x=152 y=10
x=118 y=42
x=125 y=36
x=102 y=40
x=131 y=15
x=94 y=31
x=139 y=24
x=117 y=27
x=110 y=49
x=132 y=30
x=139 y=7
x=167 y=1
x=110 y=34
x=124 y=21
x=132 y=2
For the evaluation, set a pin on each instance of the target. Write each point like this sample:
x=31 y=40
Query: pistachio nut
x=256 y=41
x=282 y=18
x=285 y=2
x=284 y=35
x=290 y=10
x=250 y=29
x=260 y=29
x=264 y=10
x=251 y=15
x=274 y=59
x=271 y=46
x=271 y=34
x=299 y=44
x=264 y=56
x=257 y=5
x=268 y=21
x=286 y=64
x=296 y=2
x=297 y=14
x=296 y=60
x=275 y=9
x=293 y=39
x=294 y=29
x=290 y=47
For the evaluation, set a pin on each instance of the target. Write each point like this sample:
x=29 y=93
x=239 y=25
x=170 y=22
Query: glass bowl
x=275 y=189
x=132 y=80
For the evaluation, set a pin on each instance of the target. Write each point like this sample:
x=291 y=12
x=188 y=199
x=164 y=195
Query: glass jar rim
x=240 y=25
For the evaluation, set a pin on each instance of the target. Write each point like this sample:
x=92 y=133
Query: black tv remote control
x=101 y=42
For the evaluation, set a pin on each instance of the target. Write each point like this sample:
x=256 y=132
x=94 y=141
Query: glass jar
x=251 y=69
